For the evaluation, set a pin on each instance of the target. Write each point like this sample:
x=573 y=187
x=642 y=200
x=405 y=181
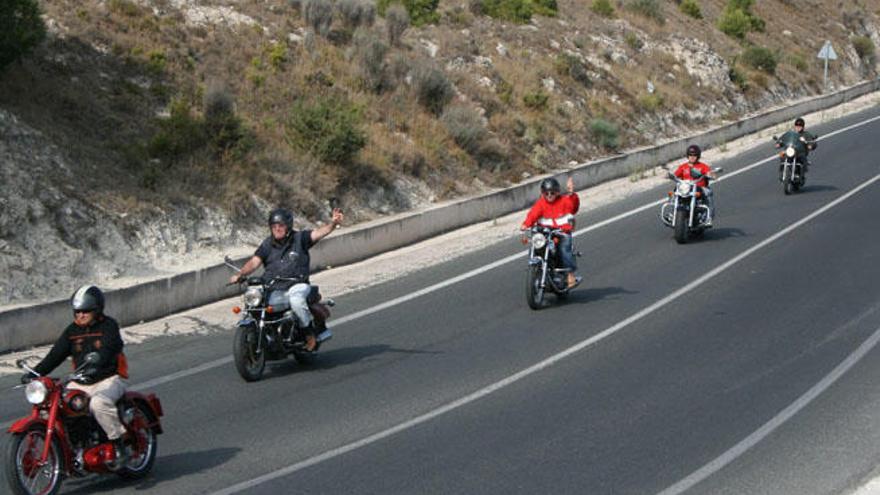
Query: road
x=740 y=363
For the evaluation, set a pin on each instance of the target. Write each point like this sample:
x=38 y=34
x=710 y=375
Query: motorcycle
x=270 y=331
x=61 y=439
x=684 y=211
x=545 y=272
x=792 y=160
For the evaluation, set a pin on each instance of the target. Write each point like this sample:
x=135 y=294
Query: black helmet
x=281 y=215
x=88 y=298
x=550 y=184
x=799 y=121
x=694 y=150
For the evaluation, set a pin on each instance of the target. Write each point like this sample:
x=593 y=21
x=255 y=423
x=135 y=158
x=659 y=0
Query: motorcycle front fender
x=247 y=321
x=23 y=424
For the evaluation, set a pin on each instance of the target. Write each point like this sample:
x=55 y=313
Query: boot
x=121 y=451
x=311 y=342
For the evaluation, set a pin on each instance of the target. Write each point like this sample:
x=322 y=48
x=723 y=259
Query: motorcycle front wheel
x=248 y=361
x=681 y=226
x=143 y=445
x=23 y=472
x=534 y=291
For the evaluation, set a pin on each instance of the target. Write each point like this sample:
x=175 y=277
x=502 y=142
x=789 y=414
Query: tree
x=21 y=29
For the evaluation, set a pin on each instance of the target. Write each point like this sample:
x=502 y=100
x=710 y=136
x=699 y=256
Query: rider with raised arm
x=557 y=211
x=694 y=169
x=285 y=254
x=104 y=381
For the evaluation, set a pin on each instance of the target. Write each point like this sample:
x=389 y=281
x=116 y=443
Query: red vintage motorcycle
x=60 y=438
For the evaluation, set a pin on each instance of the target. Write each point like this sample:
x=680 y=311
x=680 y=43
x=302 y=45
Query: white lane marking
x=550 y=361
x=769 y=427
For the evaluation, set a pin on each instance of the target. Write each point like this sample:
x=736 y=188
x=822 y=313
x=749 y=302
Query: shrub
x=319 y=15
x=328 y=128
x=433 y=89
x=420 y=12
x=569 y=65
x=691 y=8
x=519 y=11
x=396 y=22
x=737 y=78
x=758 y=57
x=651 y=102
x=466 y=127
x=124 y=7
x=276 y=55
x=633 y=41
x=605 y=133
x=865 y=49
x=603 y=8
x=356 y=13
x=647 y=8
x=547 y=8
x=21 y=29
x=223 y=128
x=537 y=100
x=737 y=20
x=798 y=62
x=179 y=135
x=369 y=52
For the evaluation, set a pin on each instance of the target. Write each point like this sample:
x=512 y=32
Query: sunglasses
x=82 y=311
x=550 y=193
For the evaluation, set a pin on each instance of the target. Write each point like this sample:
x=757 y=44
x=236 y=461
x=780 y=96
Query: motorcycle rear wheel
x=681 y=226
x=140 y=466
x=23 y=451
x=534 y=292
x=248 y=362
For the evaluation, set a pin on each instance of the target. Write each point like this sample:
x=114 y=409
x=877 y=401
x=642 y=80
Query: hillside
x=145 y=135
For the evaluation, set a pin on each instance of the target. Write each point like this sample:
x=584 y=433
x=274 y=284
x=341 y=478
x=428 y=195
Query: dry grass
x=152 y=60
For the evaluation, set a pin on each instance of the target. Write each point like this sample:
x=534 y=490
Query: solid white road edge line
x=473 y=273
x=550 y=361
x=750 y=441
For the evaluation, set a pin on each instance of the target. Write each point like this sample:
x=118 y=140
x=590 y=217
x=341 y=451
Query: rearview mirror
x=775 y=138
x=718 y=170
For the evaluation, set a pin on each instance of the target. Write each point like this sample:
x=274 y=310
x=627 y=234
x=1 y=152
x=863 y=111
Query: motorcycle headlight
x=539 y=241
x=684 y=188
x=253 y=296
x=789 y=152
x=36 y=392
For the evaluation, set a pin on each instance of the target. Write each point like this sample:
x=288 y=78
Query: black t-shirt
x=287 y=259
x=101 y=337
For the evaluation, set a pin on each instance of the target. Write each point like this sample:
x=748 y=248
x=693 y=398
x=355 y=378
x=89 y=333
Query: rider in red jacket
x=704 y=174
x=557 y=211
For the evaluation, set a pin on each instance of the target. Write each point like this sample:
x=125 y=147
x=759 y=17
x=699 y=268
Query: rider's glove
x=27 y=377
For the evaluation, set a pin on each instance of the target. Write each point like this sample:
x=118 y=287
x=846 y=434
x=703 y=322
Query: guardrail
x=41 y=324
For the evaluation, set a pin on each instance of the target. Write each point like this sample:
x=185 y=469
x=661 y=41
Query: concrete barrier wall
x=41 y=324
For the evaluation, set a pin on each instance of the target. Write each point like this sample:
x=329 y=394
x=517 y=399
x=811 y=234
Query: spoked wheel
x=534 y=291
x=24 y=472
x=249 y=362
x=142 y=443
x=788 y=187
x=681 y=226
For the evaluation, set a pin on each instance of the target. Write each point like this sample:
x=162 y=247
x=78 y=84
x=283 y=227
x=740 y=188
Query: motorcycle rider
x=104 y=381
x=557 y=211
x=285 y=253
x=694 y=169
x=808 y=138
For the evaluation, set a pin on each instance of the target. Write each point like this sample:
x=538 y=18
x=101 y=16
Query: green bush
x=319 y=15
x=737 y=77
x=865 y=49
x=328 y=128
x=605 y=133
x=691 y=8
x=420 y=12
x=537 y=100
x=21 y=29
x=433 y=89
x=223 y=129
x=570 y=65
x=603 y=8
x=760 y=58
x=737 y=19
x=651 y=102
x=798 y=62
x=519 y=11
x=466 y=127
x=369 y=52
x=356 y=13
x=179 y=135
x=647 y=8
x=633 y=41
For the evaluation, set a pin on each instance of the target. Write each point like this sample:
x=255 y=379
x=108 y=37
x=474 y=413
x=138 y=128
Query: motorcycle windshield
x=792 y=138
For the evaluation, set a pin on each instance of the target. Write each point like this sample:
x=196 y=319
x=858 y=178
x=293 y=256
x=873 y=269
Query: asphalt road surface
x=743 y=362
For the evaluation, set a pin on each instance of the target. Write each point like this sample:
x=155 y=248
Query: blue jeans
x=565 y=252
x=297 y=296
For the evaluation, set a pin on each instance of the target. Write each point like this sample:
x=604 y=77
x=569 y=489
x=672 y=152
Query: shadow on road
x=335 y=357
x=718 y=234
x=167 y=468
x=593 y=294
x=817 y=188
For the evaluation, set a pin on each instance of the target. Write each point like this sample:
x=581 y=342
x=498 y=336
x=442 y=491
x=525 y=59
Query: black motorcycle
x=545 y=270
x=685 y=211
x=270 y=331
x=793 y=160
